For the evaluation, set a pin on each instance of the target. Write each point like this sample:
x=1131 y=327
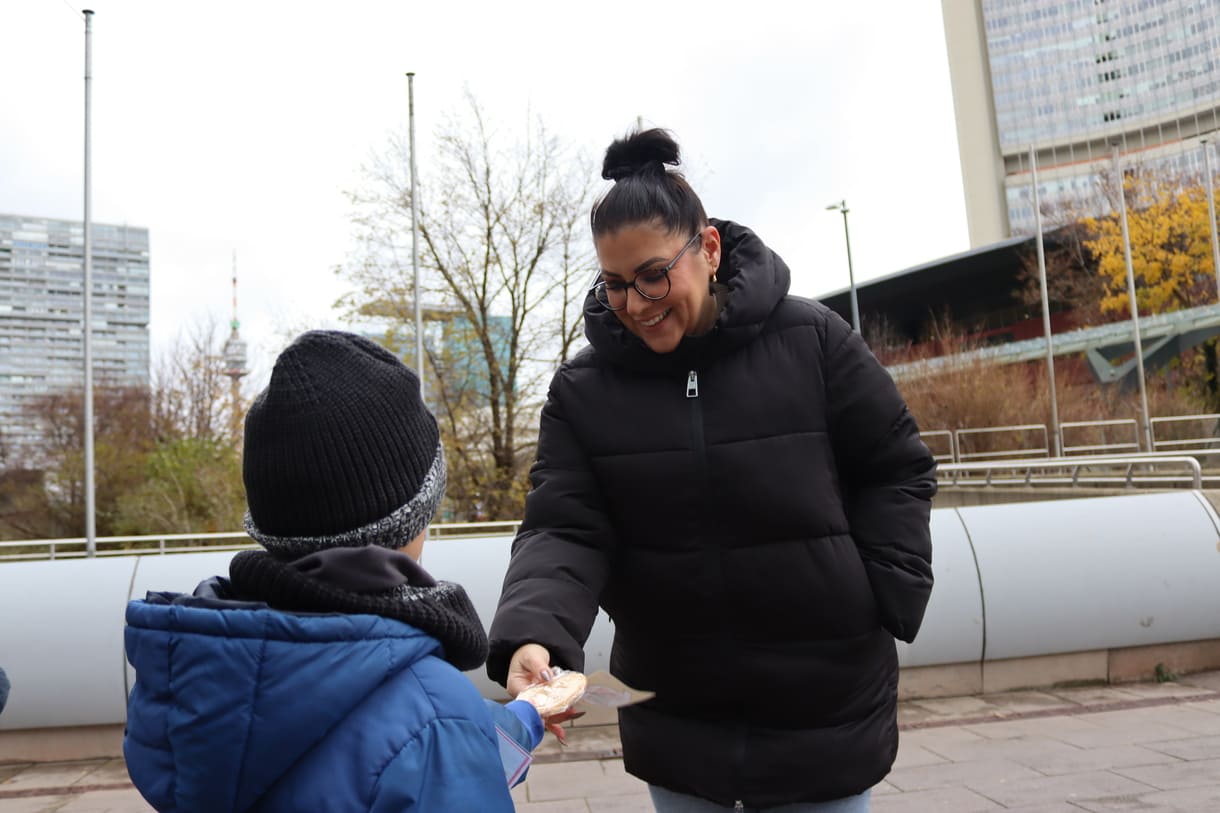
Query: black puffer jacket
x=752 y=512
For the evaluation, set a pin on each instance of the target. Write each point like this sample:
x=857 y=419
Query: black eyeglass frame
x=600 y=290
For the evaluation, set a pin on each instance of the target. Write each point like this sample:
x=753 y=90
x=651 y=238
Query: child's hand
x=554 y=723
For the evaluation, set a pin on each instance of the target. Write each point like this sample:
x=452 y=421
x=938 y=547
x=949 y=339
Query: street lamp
x=841 y=206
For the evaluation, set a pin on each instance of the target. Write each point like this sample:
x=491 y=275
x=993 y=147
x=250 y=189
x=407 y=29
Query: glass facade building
x=1069 y=79
x=42 y=313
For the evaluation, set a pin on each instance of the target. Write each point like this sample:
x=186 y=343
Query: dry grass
x=976 y=395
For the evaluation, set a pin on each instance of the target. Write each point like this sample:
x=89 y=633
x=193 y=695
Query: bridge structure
x=1109 y=348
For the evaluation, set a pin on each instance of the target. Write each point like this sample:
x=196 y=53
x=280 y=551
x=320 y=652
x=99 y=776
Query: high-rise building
x=1067 y=80
x=42 y=313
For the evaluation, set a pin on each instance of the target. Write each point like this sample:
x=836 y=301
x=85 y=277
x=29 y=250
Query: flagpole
x=1046 y=308
x=87 y=329
x=419 y=319
x=1135 y=311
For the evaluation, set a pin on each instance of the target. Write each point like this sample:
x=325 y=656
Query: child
x=323 y=673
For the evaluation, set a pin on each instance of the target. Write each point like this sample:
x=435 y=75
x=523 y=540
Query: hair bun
x=639 y=152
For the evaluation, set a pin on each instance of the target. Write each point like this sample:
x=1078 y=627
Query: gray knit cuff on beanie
x=393 y=531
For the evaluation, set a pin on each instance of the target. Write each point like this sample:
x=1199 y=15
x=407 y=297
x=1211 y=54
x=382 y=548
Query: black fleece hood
x=757 y=279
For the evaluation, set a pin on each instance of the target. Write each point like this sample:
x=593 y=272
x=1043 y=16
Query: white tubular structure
x=1013 y=580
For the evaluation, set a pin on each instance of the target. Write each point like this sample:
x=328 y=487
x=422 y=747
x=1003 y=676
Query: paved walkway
x=1153 y=748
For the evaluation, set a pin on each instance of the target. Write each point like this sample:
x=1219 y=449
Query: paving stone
x=1167 y=689
x=1050 y=727
x=627 y=803
x=584 y=742
x=1027 y=701
x=109 y=772
x=1099 y=759
x=955 y=707
x=884 y=788
x=938 y=740
x=958 y=774
x=49 y=775
x=576 y=780
x=914 y=756
x=1209 y=680
x=1140 y=802
x=33 y=804
x=1127 y=727
x=1094 y=695
x=1198 y=773
x=941 y=800
x=910 y=714
x=12 y=769
x=1051 y=789
x=561 y=806
x=1021 y=750
x=1188 y=717
x=1203 y=800
x=1190 y=748
x=107 y=801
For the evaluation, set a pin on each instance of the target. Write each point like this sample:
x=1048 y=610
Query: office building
x=1069 y=79
x=42 y=313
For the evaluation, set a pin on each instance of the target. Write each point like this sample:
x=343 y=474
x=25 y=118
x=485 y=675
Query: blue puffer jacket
x=238 y=707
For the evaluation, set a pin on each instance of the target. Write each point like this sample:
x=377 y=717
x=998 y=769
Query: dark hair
x=644 y=190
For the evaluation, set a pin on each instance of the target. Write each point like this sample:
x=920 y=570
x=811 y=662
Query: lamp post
x=841 y=206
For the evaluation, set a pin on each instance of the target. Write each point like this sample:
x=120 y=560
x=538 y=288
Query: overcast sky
x=236 y=126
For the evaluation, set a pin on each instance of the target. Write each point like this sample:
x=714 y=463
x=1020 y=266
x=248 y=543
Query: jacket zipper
x=700 y=445
x=696 y=418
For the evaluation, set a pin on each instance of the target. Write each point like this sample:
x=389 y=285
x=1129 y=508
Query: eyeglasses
x=652 y=285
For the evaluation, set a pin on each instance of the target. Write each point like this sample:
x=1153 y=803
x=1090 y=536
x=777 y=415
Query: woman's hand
x=530 y=664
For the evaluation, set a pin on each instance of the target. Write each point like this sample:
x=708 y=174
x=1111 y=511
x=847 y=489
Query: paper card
x=607 y=691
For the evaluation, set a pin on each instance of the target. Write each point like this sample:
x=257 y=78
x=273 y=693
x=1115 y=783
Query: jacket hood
x=757 y=280
x=243 y=692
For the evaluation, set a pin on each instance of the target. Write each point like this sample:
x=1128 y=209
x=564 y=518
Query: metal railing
x=1021 y=431
x=1102 y=444
x=156 y=544
x=1209 y=440
x=1110 y=436
x=1141 y=470
x=936 y=440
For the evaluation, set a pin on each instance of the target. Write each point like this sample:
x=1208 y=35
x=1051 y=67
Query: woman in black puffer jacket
x=730 y=473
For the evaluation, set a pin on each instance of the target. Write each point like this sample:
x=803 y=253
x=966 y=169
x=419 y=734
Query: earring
x=711 y=285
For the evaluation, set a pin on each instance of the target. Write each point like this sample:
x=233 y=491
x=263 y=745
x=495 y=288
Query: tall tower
x=235 y=361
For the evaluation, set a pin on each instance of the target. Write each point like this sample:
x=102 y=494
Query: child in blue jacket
x=323 y=674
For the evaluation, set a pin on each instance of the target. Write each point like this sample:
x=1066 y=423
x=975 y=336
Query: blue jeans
x=666 y=801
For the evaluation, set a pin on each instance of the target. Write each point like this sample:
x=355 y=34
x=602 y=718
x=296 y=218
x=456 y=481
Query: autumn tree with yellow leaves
x=1171 y=252
x=1171 y=260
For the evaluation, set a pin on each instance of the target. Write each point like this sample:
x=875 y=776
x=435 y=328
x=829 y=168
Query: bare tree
x=192 y=396
x=505 y=261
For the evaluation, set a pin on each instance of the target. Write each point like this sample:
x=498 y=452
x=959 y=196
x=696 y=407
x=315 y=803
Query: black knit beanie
x=340 y=450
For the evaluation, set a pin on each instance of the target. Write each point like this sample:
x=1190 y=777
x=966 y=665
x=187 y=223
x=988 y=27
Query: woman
x=730 y=473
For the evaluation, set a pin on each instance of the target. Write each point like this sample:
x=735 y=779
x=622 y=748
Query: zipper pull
x=692 y=385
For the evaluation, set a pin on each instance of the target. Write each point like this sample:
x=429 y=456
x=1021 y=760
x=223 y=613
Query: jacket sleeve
x=561 y=556
x=451 y=764
x=887 y=475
